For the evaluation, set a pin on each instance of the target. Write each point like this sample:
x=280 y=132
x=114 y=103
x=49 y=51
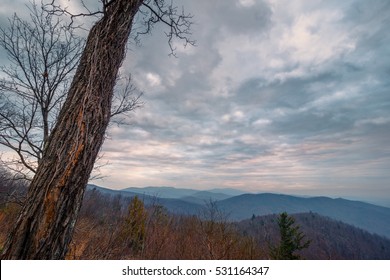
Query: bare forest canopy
x=113 y=226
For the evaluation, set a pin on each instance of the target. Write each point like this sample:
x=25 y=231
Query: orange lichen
x=75 y=151
x=51 y=199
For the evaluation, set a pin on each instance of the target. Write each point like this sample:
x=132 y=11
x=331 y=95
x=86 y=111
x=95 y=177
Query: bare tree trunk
x=45 y=225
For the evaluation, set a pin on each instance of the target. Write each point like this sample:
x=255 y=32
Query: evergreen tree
x=134 y=226
x=291 y=239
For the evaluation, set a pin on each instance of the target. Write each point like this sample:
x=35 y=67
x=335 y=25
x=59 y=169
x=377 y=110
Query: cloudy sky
x=285 y=96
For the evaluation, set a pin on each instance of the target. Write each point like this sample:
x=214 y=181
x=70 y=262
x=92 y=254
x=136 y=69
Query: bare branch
x=179 y=24
x=151 y=12
x=126 y=99
x=55 y=9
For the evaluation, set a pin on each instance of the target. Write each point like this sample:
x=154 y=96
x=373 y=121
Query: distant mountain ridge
x=171 y=204
x=372 y=218
x=179 y=193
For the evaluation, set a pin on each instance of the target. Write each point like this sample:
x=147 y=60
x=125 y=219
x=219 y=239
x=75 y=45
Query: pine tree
x=133 y=229
x=291 y=239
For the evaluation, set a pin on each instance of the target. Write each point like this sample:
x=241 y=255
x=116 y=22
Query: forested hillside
x=117 y=227
x=330 y=239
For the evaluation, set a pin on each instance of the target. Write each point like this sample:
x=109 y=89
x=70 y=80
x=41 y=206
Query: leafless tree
x=43 y=53
x=45 y=225
x=11 y=190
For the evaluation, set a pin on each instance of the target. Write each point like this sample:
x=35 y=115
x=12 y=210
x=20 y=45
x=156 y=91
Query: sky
x=282 y=96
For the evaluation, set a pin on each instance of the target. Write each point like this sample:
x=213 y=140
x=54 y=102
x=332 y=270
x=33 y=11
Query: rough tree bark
x=56 y=192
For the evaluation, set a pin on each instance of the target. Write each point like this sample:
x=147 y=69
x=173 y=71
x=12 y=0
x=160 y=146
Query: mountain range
x=238 y=205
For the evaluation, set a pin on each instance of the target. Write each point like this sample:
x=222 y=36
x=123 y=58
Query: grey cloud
x=309 y=123
x=239 y=19
x=230 y=16
x=191 y=96
x=291 y=93
x=367 y=12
